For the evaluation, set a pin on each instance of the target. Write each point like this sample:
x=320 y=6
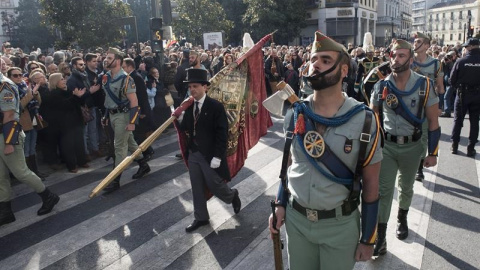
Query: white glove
x=215 y=163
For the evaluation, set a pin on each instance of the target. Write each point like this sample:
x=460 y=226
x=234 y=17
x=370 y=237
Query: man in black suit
x=145 y=124
x=205 y=124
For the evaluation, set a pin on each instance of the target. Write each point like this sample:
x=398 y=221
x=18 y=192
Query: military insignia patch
x=104 y=79
x=347 y=147
x=8 y=97
x=413 y=103
x=392 y=101
x=314 y=144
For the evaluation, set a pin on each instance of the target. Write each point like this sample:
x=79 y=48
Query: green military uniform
x=322 y=224
x=431 y=68
x=404 y=155
x=120 y=86
x=15 y=162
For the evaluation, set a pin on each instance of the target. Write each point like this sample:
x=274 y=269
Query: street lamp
x=355 y=31
x=469 y=23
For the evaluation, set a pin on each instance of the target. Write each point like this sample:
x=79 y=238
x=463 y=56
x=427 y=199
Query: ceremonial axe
x=274 y=104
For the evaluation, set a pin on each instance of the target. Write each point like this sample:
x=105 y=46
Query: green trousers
x=325 y=244
x=15 y=163
x=402 y=159
x=123 y=139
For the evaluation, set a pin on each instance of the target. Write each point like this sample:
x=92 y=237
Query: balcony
x=388 y=20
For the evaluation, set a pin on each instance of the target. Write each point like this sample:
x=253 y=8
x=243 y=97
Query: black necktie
x=197 y=110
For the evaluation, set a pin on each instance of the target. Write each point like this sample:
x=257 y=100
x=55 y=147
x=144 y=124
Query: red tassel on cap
x=300 y=125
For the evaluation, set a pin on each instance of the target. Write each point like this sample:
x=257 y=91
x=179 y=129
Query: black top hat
x=197 y=75
x=471 y=42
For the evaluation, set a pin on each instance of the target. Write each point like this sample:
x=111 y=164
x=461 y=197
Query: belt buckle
x=312 y=215
x=400 y=140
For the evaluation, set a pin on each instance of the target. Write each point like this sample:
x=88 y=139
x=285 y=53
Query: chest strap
x=401 y=110
x=332 y=162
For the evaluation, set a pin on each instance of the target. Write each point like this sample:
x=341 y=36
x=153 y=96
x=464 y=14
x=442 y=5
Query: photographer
x=449 y=97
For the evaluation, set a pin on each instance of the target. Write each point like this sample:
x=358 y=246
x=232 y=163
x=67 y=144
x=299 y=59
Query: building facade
x=394 y=21
x=346 y=21
x=448 y=22
x=8 y=17
x=419 y=13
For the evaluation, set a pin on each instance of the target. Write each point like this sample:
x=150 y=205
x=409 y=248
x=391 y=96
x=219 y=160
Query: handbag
x=87 y=116
x=169 y=99
x=40 y=123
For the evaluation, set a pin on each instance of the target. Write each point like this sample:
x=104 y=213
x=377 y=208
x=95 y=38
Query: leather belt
x=314 y=215
x=114 y=111
x=403 y=139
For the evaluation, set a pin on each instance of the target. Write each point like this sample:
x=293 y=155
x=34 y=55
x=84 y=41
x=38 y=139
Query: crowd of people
x=75 y=106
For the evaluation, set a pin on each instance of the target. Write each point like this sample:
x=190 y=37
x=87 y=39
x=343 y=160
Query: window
x=460 y=16
x=459 y=36
x=451 y=36
x=6 y=3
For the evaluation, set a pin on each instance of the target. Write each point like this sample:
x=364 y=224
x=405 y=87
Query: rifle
x=277 y=242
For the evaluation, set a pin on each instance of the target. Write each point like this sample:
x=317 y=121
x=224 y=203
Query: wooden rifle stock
x=277 y=242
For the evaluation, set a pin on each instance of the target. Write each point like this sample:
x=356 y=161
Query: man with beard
x=333 y=142
x=431 y=68
x=403 y=100
x=122 y=110
x=79 y=79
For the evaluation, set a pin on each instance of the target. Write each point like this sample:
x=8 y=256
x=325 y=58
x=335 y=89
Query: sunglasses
x=16 y=75
x=33 y=67
x=81 y=65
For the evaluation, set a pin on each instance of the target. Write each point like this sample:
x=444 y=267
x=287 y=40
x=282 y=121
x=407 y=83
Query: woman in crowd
x=64 y=69
x=161 y=111
x=30 y=101
x=66 y=114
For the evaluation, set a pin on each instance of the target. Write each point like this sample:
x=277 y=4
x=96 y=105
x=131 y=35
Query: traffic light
x=157 y=34
x=155 y=24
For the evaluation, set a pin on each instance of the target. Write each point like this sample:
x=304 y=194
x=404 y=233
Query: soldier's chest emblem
x=392 y=101
x=314 y=144
x=8 y=97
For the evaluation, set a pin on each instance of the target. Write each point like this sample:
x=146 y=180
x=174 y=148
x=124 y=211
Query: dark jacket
x=141 y=91
x=63 y=109
x=80 y=81
x=465 y=70
x=211 y=133
x=280 y=69
x=99 y=96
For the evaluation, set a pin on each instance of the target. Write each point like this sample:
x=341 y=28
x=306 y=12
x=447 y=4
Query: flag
x=240 y=87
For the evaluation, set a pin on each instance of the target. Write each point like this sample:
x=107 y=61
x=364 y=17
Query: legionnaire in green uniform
x=335 y=143
x=12 y=157
x=431 y=68
x=403 y=100
x=122 y=110
x=365 y=65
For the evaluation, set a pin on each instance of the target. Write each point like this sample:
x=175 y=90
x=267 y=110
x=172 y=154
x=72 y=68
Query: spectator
x=68 y=120
x=64 y=69
x=30 y=101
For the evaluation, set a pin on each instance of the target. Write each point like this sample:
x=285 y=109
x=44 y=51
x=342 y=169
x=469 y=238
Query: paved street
x=142 y=226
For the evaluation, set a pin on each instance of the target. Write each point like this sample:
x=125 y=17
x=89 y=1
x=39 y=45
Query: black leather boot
x=49 y=200
x=114 y=185
x=402 y=226
x=419 y=176
x=143 y=169
x=471 y=150
x=381 y=241
x=6 y=214
x=454 y=148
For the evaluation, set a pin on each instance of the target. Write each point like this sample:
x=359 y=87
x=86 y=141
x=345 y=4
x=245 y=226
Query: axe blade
x=274 y=103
